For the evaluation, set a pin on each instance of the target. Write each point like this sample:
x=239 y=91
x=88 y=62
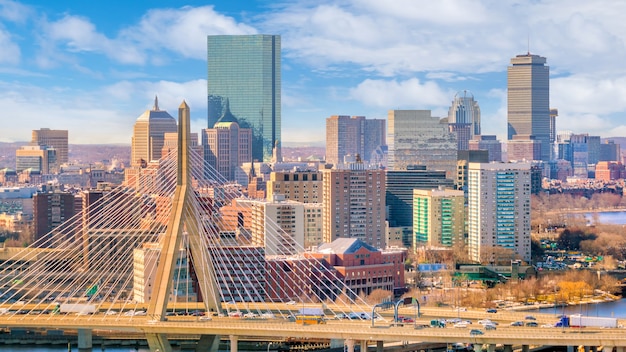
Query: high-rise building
x=354 y=204
x=149 y=135
x=489 y=143
x=35 y=158
x=417 y=138
x=399 y=186
x=52 y=208
x=349 y=136
x=498 y=212
x=529 y=100
x=464 y=118
x=610 y=151
x=523 y=147
x=438 y=217
x=56 y=139
x=227 y=146
x=301 y=186
x=244 y=72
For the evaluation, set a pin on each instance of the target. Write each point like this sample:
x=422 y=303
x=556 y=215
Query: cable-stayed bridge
x=161 y=244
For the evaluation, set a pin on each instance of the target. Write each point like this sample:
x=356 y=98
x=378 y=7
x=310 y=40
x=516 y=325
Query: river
x=607 y=217
x=615 y=309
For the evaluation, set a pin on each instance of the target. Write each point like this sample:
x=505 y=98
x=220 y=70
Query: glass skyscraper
x=244 y=76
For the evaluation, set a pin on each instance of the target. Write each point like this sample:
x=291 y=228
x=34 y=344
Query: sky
x=93 y=67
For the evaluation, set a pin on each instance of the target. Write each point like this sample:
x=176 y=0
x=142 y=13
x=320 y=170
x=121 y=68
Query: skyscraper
x=438 y=217
x=244 y=73
x=354 y=204
x=354 y=135
x=149 y=134
x=56 y=139
x=498 y=211
x=529 y=100
x=417 y=138
x=464 y=118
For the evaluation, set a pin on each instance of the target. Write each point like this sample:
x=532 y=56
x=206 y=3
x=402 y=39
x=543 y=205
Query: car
x=250 y=315
x=140 y=313
x=492 y=310
x=291 y=303
x=341 y=316
x=485 y=321
x=205 y=318
x=406 y=320
x=517 y=323
x=547 y=325
x=476 y=332
x=461 y=325
x=532 y=324
x=489 y=327
x=530 y=317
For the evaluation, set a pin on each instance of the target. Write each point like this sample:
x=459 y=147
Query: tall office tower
x=438 y=217
x=610 y=151
x=553 y=115
x=149 y=135
x=529 y=100
x=464 y=118
x=489 y=143
x=51 y=208
x=300 y=186
x=35 y=158
x=417 y=138
x=354 y=204
x=244 y=72
x=399 y=186
x=585 y=151
x=498 y=213
x=463 y=159
x=349 y=136
x=56 y=139
x=227 y=146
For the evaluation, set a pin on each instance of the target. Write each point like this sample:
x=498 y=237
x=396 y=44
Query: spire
x=156 y=103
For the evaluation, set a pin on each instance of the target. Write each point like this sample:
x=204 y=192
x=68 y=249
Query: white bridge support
x=85 y=343
x=363 y=345
x=234 y=340
x=350 y=345
x=181 y=220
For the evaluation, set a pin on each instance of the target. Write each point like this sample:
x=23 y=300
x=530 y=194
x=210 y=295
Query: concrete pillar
x=587 y=349
x=233 y=343
x=570 y=348
x=619 y=348
x=350 y=345
x=491 y=347
x=363 y=346
x=524 y=348
x=84 y=340
x=606 y=348
x=594 y=348
x=508 y=348
x=380 y=346
x=478 y=347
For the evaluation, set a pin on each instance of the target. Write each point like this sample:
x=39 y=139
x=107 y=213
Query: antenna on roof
x=528 y=43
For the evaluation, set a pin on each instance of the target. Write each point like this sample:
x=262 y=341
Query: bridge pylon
x=180 y=221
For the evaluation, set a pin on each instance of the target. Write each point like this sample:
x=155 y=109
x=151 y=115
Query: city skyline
x=64 y=64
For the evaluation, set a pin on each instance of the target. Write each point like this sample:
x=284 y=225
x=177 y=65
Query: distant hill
x=77 y=153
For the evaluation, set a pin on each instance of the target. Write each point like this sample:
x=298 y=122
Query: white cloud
x=14 y=11
x=10 y=53
x=393 y=94
x=182 y=30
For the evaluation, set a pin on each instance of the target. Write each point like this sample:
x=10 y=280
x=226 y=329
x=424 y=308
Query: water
x=608 y=217
x=615 y=309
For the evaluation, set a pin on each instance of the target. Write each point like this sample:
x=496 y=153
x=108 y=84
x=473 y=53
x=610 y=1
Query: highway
x=339 y=329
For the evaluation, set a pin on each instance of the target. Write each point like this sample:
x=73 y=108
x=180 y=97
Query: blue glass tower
x=244 y=74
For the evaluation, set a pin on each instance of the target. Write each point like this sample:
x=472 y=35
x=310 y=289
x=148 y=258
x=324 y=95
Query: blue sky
x=93 y=67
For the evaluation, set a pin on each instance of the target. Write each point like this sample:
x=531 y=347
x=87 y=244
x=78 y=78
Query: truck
x=78 y=308
x=309 y=316
x=577 y=320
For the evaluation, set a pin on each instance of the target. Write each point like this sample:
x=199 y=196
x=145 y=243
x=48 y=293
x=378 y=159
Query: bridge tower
x=181 y=220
